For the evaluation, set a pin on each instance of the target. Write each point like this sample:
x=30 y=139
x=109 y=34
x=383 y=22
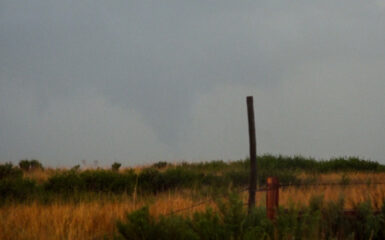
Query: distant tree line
x=214 y=176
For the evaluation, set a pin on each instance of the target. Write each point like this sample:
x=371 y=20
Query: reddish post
x=272 y=197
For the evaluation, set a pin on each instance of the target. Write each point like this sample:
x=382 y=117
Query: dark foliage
x=160 y=165
x=8 y=171
x=28 y=165
x=91 y=181
x=17 y=189
x=317 y=221
x=209 y=177
x=115 y=166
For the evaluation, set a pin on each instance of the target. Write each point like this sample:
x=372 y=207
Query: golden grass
x=85 y=220
x=60 y=221
x=96 y=218
x=352 y=193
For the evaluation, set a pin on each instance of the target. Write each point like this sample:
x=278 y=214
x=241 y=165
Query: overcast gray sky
x=148 y=80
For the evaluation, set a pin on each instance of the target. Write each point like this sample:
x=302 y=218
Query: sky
x=138 y=82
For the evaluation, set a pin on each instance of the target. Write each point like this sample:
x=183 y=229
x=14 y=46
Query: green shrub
x=334 y=223
x=180 y=177
x=25 y=165
x=8 y=171
x=107 y=181
x=140 y=225
x=213 y=181
x=28 y=165
x=175 y=227
x=311 y=165
x=65 y=183
x=212 y=166
x=115 y=166
x=35 y=164
x=160 y=165
x=366 y=224
x=318 y=220
x=238 y=177
x=150 y=180
x=230 y=223
x=17 y=189
x=349 y=164
x=208 y=225
x=233 y=217
x=381 y=219
x=75 y=168
x=103 y=181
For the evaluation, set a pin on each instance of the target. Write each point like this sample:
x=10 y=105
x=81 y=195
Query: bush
x=8 y=171
x=91 y=181
x=239 y=177
x=160 y=165
x=28 y=165
x=140 y=225
x=208 y=225
x=17 y=189
x=115 y=166
x=65 y=183
x=35 y=164
x=309 y=164
x=232 y=222
x=150 y=180
x=108 y=181
x=75 y=168
x=233 y=217
x=153 y=180
x=366 y=225
x=180 y=177
x=25 y=165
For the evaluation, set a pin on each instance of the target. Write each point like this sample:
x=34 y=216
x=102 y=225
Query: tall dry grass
x=353 y=187
x=85 y=220
x=95 y=219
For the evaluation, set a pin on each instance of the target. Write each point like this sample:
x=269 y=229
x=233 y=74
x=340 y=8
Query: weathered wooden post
x=272 y=197
x=253 y=153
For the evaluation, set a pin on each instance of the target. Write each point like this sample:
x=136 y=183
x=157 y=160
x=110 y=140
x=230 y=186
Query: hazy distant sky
x=148 y=80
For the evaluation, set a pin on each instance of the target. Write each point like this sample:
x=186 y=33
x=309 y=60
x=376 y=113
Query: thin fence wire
x=265 y=188
x=190 y=207
x=330 y=184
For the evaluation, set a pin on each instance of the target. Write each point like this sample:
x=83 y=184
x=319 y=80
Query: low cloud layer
x=144 y=81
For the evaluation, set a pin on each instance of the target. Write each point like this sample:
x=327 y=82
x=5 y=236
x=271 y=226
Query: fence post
x=272 y=197
x=253 y=153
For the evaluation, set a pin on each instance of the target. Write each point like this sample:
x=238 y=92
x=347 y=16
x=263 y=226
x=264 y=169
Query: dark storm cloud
x=141 y=81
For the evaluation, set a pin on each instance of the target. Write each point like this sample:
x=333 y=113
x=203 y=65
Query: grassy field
x=73 y=204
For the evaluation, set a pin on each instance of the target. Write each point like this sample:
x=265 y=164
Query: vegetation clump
x=29 y=165
x=160 y=165
x=115 y=166
x=8 y=171
x=318 y=220
x=196 y=181
x=208 y=177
